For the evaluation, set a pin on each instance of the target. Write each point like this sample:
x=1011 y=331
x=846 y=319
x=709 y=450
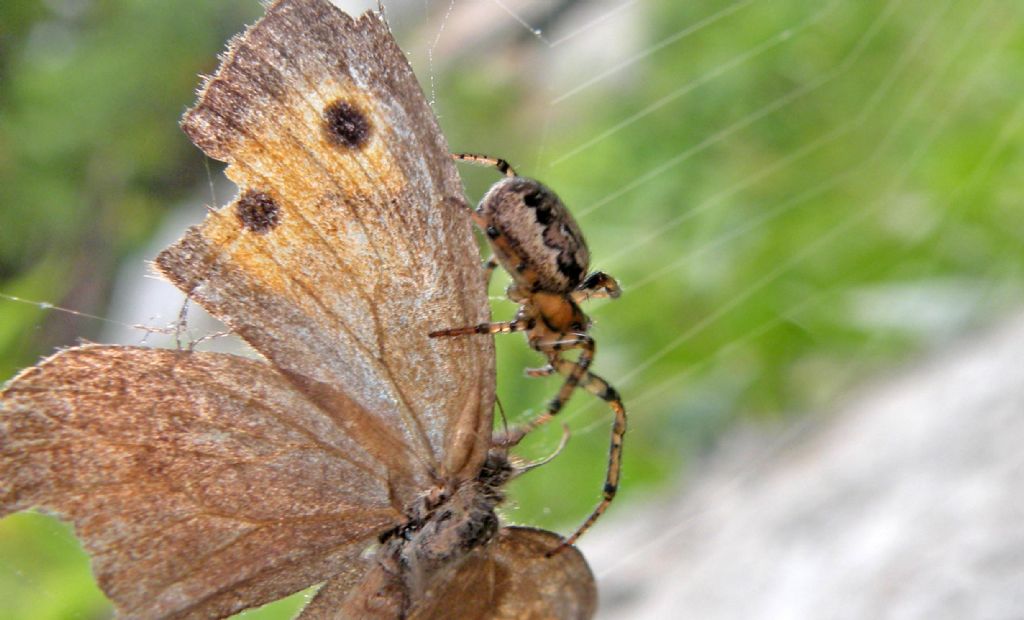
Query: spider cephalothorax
x=537 y=241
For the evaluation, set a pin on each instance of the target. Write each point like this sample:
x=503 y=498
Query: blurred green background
x=797 y=197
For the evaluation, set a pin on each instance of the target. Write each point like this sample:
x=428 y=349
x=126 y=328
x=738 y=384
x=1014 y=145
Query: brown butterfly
x=357 y=453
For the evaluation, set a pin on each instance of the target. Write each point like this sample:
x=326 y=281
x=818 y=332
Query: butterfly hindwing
x=212 y=472
x=510 y=579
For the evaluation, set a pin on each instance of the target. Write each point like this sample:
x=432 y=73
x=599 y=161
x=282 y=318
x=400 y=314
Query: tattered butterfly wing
x=349 y=240
x=200 y=483
x=510 y=579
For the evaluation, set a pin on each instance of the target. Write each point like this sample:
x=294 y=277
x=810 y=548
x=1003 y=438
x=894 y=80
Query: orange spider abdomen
x=533 y=236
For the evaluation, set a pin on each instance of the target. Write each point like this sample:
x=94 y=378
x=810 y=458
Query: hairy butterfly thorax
x=449 y=522
x=444 y=527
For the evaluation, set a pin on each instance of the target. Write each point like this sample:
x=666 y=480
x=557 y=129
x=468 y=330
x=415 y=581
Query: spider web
x=796 y=196
x=910 y=77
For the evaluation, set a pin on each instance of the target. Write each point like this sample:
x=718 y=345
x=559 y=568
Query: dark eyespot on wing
x=346 y=125
x=257 y=211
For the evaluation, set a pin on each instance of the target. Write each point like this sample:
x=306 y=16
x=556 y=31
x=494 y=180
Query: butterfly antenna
x=501 y=411
x=181 y=325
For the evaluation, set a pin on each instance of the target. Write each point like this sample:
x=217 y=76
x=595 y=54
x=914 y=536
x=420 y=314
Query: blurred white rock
x=907 y=502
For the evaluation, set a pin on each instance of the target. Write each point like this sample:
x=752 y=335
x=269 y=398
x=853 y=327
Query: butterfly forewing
x=187 y=475
x=349 y=240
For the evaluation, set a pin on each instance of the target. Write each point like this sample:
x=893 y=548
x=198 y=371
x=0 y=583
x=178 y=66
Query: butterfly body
x=445 y=525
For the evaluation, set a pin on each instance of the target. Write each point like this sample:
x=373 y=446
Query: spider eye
x=533 y=199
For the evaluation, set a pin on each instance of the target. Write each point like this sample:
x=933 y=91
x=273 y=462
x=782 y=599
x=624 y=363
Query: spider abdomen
x=534 y=236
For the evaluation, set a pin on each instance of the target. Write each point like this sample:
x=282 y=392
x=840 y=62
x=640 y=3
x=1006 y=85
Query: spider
x=535 y=239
